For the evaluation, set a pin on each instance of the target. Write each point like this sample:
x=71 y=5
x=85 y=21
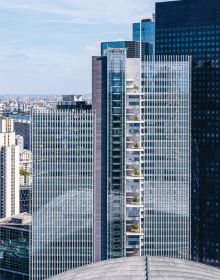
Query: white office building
x=9 y=169
x=63 y=187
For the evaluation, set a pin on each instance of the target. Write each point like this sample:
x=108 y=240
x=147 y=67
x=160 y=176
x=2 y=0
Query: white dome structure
x=142 y=268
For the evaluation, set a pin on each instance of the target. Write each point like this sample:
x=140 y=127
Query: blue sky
x=46 y=45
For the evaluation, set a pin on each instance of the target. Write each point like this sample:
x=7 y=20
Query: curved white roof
x=142 y=268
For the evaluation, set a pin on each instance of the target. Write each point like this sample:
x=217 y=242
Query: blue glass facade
x=132 y=47
x=145 y=32
x=114 y=44
x=192 y=27
x=116 y=63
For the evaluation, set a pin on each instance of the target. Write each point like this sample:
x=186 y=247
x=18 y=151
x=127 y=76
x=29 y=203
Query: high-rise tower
x=148 y=154
x=144 y=31
x=9 y=169
x=192 y=27
x=63 y=187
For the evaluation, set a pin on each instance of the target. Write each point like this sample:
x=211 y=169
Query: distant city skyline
x=46 y=46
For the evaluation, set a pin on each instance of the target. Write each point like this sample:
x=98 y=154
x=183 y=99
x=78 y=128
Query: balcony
x=133 y=228
x=132 y=111
x=133 y=253
x=133 y=118
x=132 y=190
x=133 y=173
x=136 y=173
x=132 y=199
x=132 y=139
x=133 y=132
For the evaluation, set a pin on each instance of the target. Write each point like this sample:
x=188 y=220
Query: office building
x=25 y=199
x=133 y=48
x=192 y=27
x=144 y=31
x=167 y=159
x=14 y=247
x=149 y=172
x=9 y=169
x=63 y=187
x=99 y=103
x=22 y=127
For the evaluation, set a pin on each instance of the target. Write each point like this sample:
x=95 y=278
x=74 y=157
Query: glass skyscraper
x=167 y=158
x=63 y=187
x=148 y=155
x=192 y=27
x=99 y=104
x=133 y=48
x=144 y=31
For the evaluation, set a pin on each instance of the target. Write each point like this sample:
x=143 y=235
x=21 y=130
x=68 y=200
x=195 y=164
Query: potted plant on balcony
x=135 y=227
x=136 y=172
x=136 y=118
x=136 y=200
x=136 y=146
x=136 y=87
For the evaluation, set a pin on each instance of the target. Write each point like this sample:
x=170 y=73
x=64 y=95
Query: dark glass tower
x=192 y=27
x=99 y=101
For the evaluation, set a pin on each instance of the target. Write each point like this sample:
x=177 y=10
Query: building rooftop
x=142 y=268
x=73 y=102
x=22 y=219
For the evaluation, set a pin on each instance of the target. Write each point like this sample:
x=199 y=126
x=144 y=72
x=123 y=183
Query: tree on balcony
x=24 y=172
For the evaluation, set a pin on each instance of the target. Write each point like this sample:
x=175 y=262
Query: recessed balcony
x=132 y=111
x=133 y=173
x=133 y=118
x=133 y=200
x=133 y=228
x=133 y=133
x=132 y=190
x=136 y=172
x=134 y=253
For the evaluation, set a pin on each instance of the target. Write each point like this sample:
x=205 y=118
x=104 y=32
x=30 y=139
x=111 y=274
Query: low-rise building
x=14 y=247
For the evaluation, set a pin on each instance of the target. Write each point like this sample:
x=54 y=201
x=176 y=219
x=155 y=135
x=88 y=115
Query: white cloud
x=84 y=11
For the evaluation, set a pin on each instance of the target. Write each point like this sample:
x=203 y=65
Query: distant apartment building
x=19 y=141
x=22 y=127
x=63 y=187
x=14 y=247
x=25 y=168
x=25 y=180
x=25 y=199
x=145 y=106
x=9 y=169
x=25 y=171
